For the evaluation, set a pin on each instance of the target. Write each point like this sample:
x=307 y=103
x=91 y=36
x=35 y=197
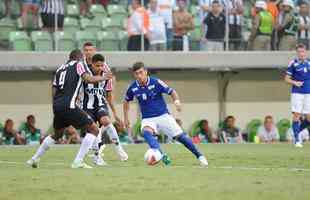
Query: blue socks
x=296 y=130
x=151 y=140
x=187 y=142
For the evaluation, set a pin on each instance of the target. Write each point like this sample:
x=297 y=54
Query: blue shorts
x=31 y=2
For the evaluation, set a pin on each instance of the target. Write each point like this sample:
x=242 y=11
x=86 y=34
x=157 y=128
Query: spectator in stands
x=205 y=134
x=262 y=27
x=8 y=135
x=138 y=27
x=71 y=136
x=33 y=7
x=215 y=21
x=29 y=131
x=85 y=8
x=183 y=23
x=287 y=26
x=235 y=13
x=49 y=9
x=303 y=33
x=268 y=132
x=158 y=39
x=8 y=10
x=230 y=133
x=165 y=9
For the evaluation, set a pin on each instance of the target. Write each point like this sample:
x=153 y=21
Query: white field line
x=240 y=168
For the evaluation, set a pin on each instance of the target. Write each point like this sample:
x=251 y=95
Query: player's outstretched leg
x=296 y=129
x=97 y=147
x=47 y=142
x=90 y=137
x=154 y=144
x=112 y=133
x=188 y=143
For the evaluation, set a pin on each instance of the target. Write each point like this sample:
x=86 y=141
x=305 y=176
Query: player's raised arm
x=87 y=77
x=174 y=95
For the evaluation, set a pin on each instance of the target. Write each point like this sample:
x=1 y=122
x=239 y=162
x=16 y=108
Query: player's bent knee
x=105 y=121
x=149 y=129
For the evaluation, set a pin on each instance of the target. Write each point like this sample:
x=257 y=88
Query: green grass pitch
x=236 y=172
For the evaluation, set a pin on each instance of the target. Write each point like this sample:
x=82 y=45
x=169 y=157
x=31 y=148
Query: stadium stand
x=111 y=18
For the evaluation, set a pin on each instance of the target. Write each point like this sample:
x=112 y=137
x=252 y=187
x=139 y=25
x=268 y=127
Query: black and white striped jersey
x=67 y=82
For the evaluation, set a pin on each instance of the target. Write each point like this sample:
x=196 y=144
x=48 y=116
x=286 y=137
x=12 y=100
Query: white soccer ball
x=152 y=156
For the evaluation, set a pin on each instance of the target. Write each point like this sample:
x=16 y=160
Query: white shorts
x=300 y=103
x=165 y=123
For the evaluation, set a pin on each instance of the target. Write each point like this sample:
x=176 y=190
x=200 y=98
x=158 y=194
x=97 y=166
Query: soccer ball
x=152 y=156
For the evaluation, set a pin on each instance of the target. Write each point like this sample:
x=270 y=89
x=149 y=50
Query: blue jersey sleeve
x=290 y=68
x=129 y=96
x=163 y=87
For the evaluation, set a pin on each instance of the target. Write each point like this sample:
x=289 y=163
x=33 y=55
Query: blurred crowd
x=181 y=25
x=227 y=132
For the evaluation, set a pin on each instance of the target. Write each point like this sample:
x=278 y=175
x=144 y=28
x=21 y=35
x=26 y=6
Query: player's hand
x=108 y=75
x=178 y=105
x=298 y=83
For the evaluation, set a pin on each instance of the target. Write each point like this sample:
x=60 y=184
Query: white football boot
x=121 y=153
x=80 y=164
x=33 y=163
x=203 y=161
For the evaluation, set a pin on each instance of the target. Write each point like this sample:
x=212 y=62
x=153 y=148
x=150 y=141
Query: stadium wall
x=250 y=94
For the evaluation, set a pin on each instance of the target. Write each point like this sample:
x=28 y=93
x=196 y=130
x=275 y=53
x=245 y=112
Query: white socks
x=95 y=145
x=111 y=131
x=47 y=142
x=87 y=143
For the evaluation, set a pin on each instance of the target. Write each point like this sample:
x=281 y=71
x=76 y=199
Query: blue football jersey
x=300 y=71
x=150 y=98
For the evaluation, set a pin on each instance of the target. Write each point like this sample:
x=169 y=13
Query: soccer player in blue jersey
x=298 y=75
x=155 y=115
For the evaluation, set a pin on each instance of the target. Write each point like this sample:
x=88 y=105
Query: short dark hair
x=229 y=117
x=76 y=54
x=300 y=46
x=97 y=57
x=138 y=65
x=88 y=44
x=215 y=2
x=30 y=117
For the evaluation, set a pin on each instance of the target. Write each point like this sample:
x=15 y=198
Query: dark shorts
x=75 y=117
x=97 y=113
x=48 y=20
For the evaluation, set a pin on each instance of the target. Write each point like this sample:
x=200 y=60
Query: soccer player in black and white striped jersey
x=95 y=100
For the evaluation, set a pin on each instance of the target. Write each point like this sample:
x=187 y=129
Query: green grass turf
x=241 y=172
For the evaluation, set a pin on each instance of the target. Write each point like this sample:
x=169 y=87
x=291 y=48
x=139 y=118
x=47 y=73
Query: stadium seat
x=283 y=125
x=195 y=129
x=6 y=26
x=117 y=12
x=98 y=11
x=71 y=25
x=252 y=128
x=65 y=41
x=107 y=41
x=73 y=10
x=84 y=36
x=90 y=25
x=19 y=41
x=111 y=24
x=123 y=40
x=197 y=22
x=42 y=41
x=195 y=37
